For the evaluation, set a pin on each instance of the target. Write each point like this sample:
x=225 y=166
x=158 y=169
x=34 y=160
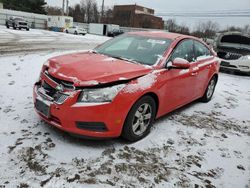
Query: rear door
x=204 y=60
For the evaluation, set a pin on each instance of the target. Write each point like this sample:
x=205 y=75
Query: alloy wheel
x=210 y=88
x=142 y=119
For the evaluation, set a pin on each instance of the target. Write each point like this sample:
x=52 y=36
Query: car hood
x=89 y=69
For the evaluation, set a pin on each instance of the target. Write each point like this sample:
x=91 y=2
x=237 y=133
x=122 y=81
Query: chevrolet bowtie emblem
x=59 y=87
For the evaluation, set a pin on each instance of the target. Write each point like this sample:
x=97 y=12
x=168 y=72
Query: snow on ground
x=201 y=144
x=13 y=41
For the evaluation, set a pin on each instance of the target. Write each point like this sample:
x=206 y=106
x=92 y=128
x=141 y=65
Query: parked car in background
x=123 y=85
x=17 y=23
x=115 y=32
x=76 y=30
x=234 y=50
x=240 y=66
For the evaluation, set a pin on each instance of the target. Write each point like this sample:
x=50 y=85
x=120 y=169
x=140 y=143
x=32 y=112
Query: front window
x=141 y=49
x=184 y=50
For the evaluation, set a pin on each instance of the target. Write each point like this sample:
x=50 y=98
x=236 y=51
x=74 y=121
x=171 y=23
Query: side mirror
x=180 y=63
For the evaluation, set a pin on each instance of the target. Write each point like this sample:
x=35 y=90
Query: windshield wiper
x=94 y=51
x=127 y=59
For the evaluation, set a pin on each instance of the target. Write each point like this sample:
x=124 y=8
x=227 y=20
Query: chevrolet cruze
x=123 y=85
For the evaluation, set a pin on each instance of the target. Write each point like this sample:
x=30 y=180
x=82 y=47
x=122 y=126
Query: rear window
x=201 y=51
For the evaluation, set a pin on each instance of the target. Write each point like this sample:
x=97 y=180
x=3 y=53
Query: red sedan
x=123 y=85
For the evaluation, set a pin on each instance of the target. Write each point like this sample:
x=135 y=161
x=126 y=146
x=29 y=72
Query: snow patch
x=110 y=59
x=184 y=71
x=91 y=82
x=142 y=83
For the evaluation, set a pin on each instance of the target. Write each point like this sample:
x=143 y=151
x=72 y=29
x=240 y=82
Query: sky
x=187 y=6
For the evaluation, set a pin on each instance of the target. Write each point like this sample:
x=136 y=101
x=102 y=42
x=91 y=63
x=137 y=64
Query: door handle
x=194 y=73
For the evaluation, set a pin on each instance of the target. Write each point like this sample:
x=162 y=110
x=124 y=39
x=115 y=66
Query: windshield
x=19 y=19
x=140 y=49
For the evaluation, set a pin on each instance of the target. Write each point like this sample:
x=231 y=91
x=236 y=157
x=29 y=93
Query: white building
x=1 y=5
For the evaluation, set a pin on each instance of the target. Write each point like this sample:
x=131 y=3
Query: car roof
x=162 y=34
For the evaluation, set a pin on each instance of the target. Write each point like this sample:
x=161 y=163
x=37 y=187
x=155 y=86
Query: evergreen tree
x=35 y=6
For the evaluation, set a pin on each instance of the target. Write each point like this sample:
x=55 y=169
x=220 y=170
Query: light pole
x=102 y=9
x=63 y=6
x=67 y=7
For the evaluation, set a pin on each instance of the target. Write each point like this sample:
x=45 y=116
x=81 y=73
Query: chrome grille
x=48 y=92
x=66 y=84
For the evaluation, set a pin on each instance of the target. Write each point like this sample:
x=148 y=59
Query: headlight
x=100 y=95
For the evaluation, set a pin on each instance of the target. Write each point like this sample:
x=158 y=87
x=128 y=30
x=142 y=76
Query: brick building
x=136 y=16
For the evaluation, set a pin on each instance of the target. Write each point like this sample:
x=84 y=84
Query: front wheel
x=75 y=33
x=210 y=90
x=139 y=119
x=7 y=25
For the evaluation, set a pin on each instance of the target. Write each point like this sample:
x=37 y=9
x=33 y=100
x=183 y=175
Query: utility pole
x=67 y=7
x=102 y=10
x=63 y=6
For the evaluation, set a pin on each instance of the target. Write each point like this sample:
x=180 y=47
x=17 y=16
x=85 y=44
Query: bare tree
x=246 y=29
x=53 y=10
x=95 y=13
x=206 y=29
x=83 y=10
x=107 y=15
x=86 y=11
x=172 y=26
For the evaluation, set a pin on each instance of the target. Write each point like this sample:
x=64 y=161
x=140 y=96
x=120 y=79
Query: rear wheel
x=75 y=33
x=27 y=29
x=7 y=25
x=14 y=27
x=139 y=119
x=210 y=90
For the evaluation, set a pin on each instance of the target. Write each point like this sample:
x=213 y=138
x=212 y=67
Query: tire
x=27 y=29
x=136 y=126
x=14 y=27
x=210 y=90
x=7 y=26
x=19 y=28
x=67 y=31
x=75 y=33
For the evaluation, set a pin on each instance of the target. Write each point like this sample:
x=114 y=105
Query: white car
x=241 y=65
x=234 y=50
x=76 y=30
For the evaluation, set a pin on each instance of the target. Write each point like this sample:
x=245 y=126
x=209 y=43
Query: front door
x=179 y=84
